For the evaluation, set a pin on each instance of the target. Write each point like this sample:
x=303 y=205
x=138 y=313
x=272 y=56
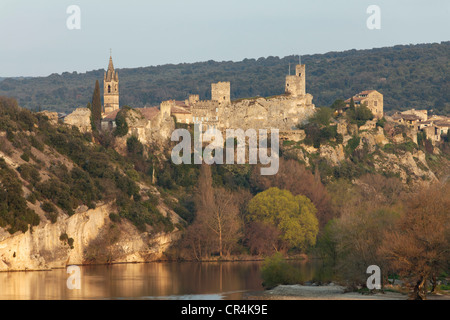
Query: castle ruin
x=283 y=112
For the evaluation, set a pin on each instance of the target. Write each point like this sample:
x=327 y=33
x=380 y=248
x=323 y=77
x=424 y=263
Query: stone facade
x=373 y=99
x=220 y=92
x=111 y=89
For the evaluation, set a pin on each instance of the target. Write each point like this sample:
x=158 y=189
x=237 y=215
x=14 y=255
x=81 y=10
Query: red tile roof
x=366 y=92
x=356 y=99
x=149 y=113
x=183 y=110
x=111 y=116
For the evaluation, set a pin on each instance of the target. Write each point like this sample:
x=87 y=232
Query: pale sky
x=35 y=41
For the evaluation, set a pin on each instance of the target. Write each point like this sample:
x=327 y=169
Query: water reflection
x=172 y=280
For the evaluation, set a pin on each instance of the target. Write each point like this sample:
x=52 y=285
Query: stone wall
x=283 y=113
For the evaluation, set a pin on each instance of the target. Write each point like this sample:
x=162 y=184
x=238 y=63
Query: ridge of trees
x=409 y=76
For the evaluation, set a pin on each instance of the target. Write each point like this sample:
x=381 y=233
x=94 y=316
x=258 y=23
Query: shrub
x=25 y=156
x=359 y=115
x=64 y=237
x=13 y=206
x=276 y=271
x=114 y=217
x=70 y=242
x=121 y=123
x=352 y=144
x=31 y=198
x=29 y=173
x=134 y=146
x=50 y=211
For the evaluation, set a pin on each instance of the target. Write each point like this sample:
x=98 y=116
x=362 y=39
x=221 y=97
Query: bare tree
x=263 y=238
x=419 y=248
x=217 y=226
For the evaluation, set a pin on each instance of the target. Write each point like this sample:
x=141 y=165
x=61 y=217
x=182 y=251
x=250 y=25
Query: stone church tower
x=111 y=89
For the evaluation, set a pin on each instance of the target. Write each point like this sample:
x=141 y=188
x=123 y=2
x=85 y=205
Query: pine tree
x=96 y=105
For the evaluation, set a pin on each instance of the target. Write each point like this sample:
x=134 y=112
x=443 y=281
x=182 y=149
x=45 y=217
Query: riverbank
x=327 y=292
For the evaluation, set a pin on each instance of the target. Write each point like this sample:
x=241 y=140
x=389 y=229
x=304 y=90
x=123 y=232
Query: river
x=159 y=280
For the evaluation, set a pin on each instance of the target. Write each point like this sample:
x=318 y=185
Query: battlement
x=221 y=92
x=206 y=104
x=193 y=99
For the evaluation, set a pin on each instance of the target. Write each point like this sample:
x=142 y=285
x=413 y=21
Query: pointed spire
x=111 y=65
x=111 y=74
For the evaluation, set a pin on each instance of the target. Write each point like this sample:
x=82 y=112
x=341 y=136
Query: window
x=109 y=88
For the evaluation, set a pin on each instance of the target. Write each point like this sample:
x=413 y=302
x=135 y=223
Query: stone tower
x=111 y=89
x=296 y=84
x=220 y=92
x=166 y=108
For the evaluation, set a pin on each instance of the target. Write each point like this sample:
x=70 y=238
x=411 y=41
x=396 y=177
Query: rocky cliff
x=45 y=246
x=370 y=149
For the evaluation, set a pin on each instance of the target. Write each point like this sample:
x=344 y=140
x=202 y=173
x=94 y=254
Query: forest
x=409 y=76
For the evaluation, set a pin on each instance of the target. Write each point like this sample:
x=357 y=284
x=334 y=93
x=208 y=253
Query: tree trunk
x=434 y=283
x=220 y=242
x=419 y=292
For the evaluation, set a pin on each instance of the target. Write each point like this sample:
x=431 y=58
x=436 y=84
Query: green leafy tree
x=359 y=115
x=338 y=104
x=322 y=116
x=121 y=123
x=294 y=216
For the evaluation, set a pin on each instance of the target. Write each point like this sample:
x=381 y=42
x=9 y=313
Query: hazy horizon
x=38 y=42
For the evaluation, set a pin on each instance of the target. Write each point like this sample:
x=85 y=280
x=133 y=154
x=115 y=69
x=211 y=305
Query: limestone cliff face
x=334 y=155
x=80 y=118
x=42 y=249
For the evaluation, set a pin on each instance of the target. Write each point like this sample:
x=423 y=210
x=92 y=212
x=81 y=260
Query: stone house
x=372 y=98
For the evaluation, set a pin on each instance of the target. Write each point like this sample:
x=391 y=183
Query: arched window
x=109 y=88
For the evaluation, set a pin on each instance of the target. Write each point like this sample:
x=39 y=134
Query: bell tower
x=110 y=89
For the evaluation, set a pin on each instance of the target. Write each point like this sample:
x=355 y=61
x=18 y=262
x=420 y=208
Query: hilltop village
x=109 y=192
x=284 y=112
